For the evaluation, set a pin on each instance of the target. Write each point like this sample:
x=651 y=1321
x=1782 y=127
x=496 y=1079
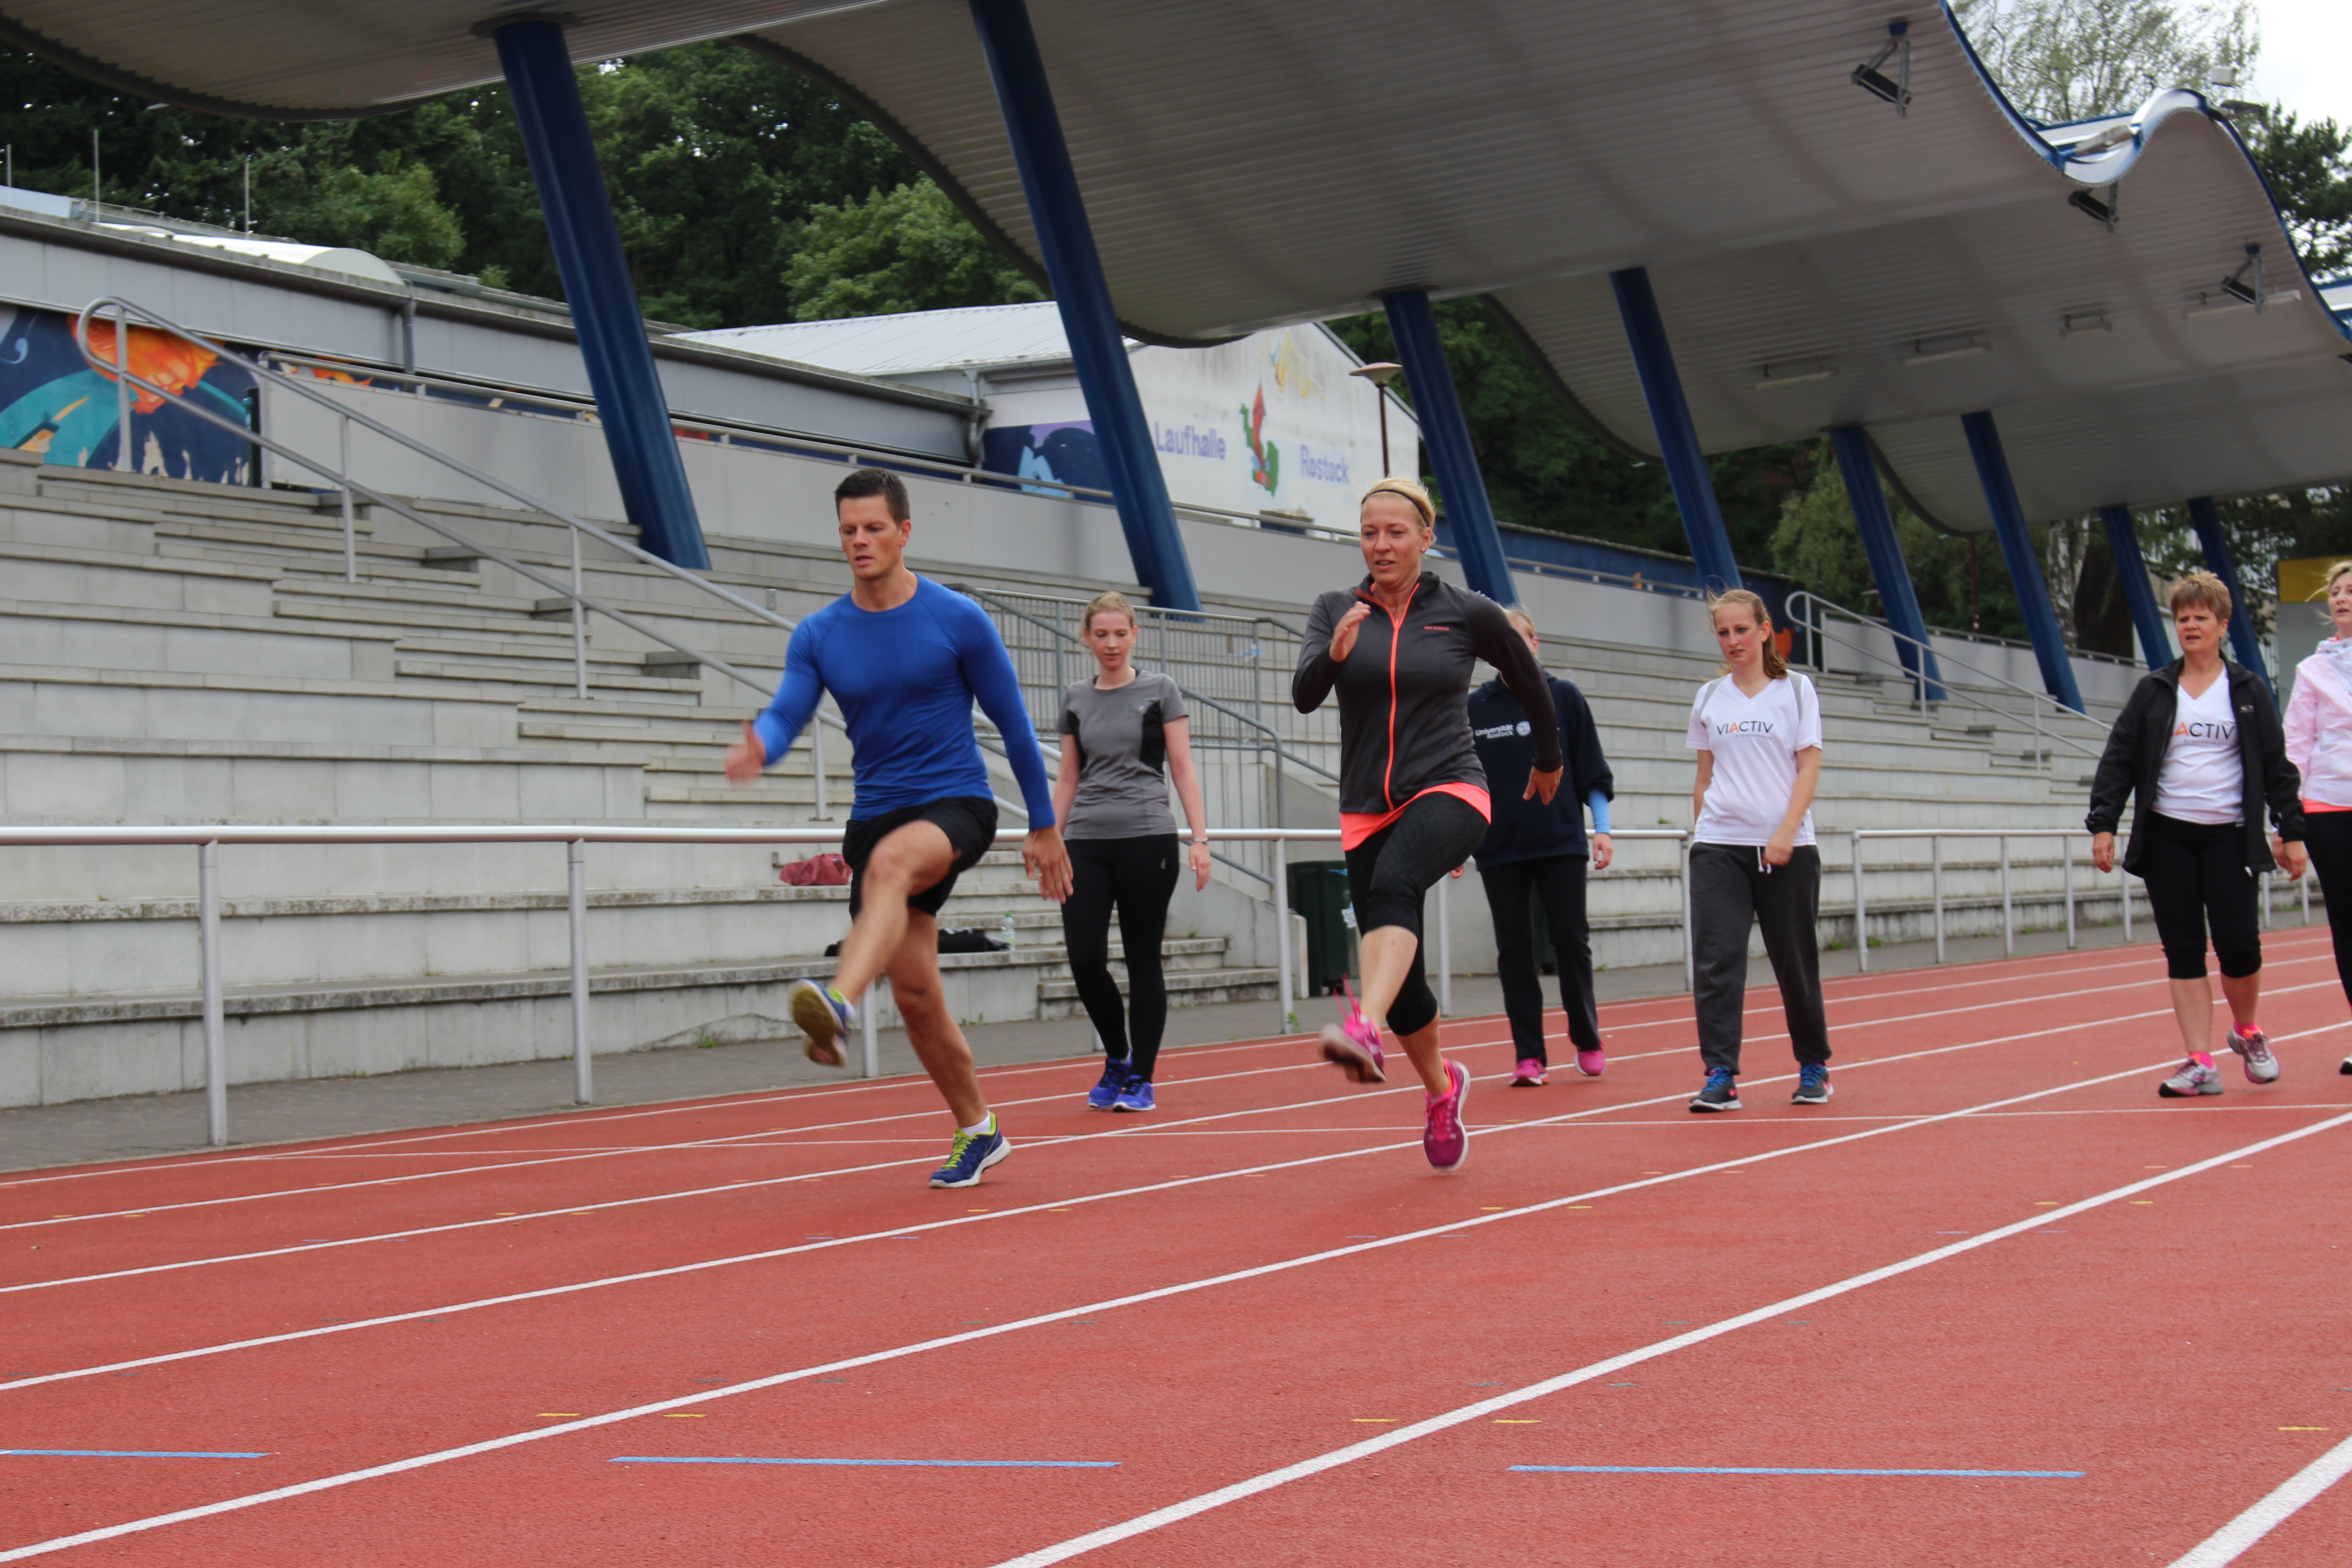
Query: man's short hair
x=875 y=482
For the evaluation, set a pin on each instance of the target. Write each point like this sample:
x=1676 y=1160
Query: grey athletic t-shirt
x=1122 y=751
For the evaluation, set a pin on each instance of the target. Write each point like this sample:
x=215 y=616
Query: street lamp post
x=1379 y=374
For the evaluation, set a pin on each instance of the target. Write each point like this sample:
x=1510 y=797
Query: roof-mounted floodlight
x=1871 y=75
x=1946 y=345
x=2103 y=204
x=2236 y=287
x=2074 y=324
x=1789 y=371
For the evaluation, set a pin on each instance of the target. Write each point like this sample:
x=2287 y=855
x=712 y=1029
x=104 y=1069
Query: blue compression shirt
x=906 y=679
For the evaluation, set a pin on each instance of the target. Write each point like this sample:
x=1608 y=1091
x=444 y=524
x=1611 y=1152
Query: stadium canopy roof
x=1816 y=259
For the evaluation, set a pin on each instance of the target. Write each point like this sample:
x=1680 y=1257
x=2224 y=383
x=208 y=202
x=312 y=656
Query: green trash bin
x=1318 y=894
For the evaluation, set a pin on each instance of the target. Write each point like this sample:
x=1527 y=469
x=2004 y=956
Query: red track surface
x=385 y=1300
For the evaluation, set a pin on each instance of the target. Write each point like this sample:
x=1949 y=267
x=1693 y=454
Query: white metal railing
x=2065 y=837
x=1811 y=610
x=207 y=838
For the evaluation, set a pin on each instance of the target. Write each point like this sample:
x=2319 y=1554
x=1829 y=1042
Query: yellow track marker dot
x=681 y=1415
x=2045 y=1203
x=1507 y=1421
x=2302 y=1428
x=1490 y=1208
x=1373 y=1420
x=141 y=1215
x=1579 y=1205
x=980 y=1211
x=506 y=1214
x=583 y=1211
x=553 y=1414
x=1058 y=1211
x=2143 y=1203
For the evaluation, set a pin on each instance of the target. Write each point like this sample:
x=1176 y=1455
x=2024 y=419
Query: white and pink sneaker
x=1528 y=1074
x=1444 y=1139
x=1590 y=1063
x=1354 y=1048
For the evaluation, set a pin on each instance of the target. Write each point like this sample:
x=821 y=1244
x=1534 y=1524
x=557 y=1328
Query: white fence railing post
x=1936 y=855
x=2008 y=910
x=215 y=1022
x=1282 y=932
x=583 y=1085
x=1861 y=912
x=2066 y=851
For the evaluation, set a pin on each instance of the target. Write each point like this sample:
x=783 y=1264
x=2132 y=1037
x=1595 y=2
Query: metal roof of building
x=1817 y=260
x=976 y=337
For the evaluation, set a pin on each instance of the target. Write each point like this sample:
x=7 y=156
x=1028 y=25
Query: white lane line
x=826 y=1127
x=1165 y=1292
x=2230 y=1541
x=931 y=1113
x=2341 y=1457
x=303 y=1148
x=1169 y=1186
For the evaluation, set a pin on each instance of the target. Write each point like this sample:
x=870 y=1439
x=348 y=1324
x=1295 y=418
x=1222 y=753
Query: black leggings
x=1558 y=881
x=1139 y=875
x=1390 y=873
x=2327 y=838
x=2196 y=871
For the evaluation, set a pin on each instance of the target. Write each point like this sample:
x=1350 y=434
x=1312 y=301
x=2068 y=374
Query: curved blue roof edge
x=2110 y=165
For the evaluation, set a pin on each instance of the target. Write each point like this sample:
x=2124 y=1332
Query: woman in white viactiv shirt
x=2198 y=745
x=2319 y=744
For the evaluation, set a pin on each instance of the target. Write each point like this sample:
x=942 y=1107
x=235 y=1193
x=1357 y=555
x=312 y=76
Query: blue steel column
x=595 y=273
x=2131 y=571
x=1877 y=525
x=1662 y=389
x=2243 y=643
x=1469 y=516
x=1097 y=346
x=2017 y=549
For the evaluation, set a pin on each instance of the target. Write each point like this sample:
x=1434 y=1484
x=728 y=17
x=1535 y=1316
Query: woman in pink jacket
x=2319 y=744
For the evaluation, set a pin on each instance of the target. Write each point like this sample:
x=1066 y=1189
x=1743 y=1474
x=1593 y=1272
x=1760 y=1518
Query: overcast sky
x=2306 y=58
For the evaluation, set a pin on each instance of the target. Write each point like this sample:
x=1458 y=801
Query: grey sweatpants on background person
x=1730 y=891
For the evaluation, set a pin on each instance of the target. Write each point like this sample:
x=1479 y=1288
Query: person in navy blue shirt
x=905 y=659
x=1537 y=849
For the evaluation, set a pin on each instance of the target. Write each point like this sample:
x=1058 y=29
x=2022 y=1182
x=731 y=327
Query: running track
x=1254 y=1329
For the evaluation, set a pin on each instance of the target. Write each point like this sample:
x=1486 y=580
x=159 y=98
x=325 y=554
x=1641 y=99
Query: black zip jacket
x=2135 y=755
x=1405 y=687
x=1529 y=829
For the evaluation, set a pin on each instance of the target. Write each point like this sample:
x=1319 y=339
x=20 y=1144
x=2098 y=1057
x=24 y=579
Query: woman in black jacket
x=2200 y=746
x=1537 y=849
x=1398 y=650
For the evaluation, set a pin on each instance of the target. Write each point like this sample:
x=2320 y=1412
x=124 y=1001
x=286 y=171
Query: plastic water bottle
x=1004 y=931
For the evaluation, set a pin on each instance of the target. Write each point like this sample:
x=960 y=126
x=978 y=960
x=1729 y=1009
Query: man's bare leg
x=908 y=860
x=931 y=1028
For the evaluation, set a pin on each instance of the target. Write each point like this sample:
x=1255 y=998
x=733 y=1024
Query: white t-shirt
x=2203 y=778
x=1755 y=740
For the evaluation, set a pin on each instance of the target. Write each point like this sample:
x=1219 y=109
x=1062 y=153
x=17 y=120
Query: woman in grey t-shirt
x=1117 y=731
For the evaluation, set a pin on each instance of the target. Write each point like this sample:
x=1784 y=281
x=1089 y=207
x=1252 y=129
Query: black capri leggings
x=1390 y=873
x=2328 y=836
x=2196 y=871
x=1138 y=876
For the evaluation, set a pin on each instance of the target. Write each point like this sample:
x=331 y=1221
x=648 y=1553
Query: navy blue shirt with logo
x=1529 y=829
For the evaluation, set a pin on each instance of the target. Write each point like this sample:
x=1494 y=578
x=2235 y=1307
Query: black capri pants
x=1391 y=872
x=1137 y=876
x=2196 y=872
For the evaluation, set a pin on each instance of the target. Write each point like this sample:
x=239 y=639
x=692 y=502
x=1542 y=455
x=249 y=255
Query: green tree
x=905 y=249
x=2072 y=59
x=2311 y=178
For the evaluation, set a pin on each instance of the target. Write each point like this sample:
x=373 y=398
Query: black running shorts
x=969 y=821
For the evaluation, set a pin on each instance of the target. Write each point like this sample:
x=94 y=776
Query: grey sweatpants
x=1731 y=890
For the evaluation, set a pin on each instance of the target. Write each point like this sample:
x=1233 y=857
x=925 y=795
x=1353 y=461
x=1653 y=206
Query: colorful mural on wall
x=1064 y=451
x=53 y=403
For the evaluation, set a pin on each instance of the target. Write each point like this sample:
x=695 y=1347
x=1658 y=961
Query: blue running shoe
x=1109 y=1087
x=1721 y=1093
x=1136 y=1096
x=1812 y=1084
x=825 y=1016
x=972 y=1153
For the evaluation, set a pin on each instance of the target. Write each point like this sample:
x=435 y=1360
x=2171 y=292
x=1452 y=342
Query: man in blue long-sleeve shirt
x=904 y=659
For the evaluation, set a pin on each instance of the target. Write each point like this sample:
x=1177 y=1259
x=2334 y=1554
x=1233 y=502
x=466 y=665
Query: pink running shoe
x=1444 y=1139
x=1528 y=1074
x=1354 y=1048
x=1590 y=1063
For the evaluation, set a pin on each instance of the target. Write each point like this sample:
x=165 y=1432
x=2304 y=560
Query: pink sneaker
x=1354 y=1048
x=1528 y=1074
x=1444 y=1139
x=1590 y=1063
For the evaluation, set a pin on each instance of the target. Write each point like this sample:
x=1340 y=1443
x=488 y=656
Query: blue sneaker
x=825 y=1016
x=1108 y=1088
x=1721 y=1093
x=1812 y=1084
x=972 y=1153
x=1136 y=1096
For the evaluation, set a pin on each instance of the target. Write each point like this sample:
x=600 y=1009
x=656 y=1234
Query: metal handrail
x=1798 y=603
x=207 y=839
x=1935 y=836
x=581 y=601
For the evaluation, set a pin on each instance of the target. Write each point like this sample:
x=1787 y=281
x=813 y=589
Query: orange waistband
x=1355 y=826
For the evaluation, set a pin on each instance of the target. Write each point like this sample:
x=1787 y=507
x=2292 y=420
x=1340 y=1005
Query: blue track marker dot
x=127 y=1454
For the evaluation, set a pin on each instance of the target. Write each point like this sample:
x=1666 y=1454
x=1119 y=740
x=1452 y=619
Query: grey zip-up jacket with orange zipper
x=1404 y=691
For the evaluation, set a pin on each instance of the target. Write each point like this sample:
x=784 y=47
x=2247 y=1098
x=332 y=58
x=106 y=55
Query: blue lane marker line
x=126 y=1454
x=927 y=1464
x=1773 y=1470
